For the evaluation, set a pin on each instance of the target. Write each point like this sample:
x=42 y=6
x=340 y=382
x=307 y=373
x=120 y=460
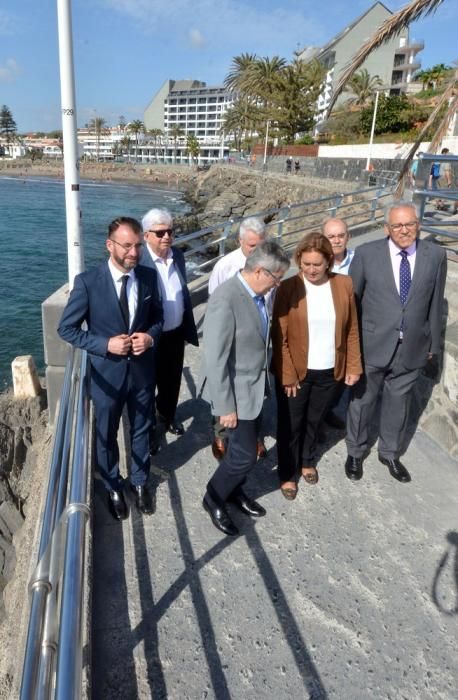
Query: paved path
x=350 y=592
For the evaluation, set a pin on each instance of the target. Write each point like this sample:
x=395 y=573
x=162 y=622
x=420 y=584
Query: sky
x=125 y=49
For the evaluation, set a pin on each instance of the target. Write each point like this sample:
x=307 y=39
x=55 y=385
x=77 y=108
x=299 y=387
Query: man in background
x=336 y=231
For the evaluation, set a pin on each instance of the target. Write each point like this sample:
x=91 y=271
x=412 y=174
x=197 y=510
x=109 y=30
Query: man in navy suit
x=179 y=327
x=120 y=304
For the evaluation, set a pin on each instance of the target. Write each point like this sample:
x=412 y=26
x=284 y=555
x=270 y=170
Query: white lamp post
x=374 y=119
x=264 y=164
x=70 y=141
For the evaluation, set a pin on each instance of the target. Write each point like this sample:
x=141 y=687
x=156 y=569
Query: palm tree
x=389 y=29
x=125 y=144
x=193 y=147
x=449 y=98
x=154 y=133
x=240 y=69
x=98 y=126
x=363 y=86
x=175 y=132
x=136 y=127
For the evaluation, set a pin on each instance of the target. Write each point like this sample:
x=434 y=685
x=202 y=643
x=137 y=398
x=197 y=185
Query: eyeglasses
x=410 y=226
x=127 y=246
x=161 y=234
x=270 y=274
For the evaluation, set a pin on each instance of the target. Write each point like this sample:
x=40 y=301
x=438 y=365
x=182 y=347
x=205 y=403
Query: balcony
x=405 y=65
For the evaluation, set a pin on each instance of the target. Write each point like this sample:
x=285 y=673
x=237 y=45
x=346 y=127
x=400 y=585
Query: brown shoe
x=261 y=450
x=218 y=448
x=288 y=491
x=310 y=475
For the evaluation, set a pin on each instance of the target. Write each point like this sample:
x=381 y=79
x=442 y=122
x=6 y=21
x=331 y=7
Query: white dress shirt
x=343 y=267
x=131 y=289
x=172 y=292
x=226 y=268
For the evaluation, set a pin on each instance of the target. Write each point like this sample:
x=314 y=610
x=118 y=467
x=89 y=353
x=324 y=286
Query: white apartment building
x=195 y=108
x=395 y=62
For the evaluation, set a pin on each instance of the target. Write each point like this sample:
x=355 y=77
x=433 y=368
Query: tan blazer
x=290 y=339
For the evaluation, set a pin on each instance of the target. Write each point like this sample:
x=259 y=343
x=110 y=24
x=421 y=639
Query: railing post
x=337 y=202
x=374 y=204
x=284 y=214
x=226 y=233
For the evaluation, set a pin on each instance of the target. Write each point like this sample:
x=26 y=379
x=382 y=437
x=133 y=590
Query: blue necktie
x=260 y=303
x=404 y=277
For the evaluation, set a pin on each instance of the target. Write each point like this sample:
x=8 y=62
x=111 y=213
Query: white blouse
x=321 y=317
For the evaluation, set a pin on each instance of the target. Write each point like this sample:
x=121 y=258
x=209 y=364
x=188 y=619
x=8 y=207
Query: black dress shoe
x=354 y=468
x=117 y=505
x=334 y=421
x=176 y=428
x=246 y=505
x=396 y=468
x=220 y=517
x=143 y=499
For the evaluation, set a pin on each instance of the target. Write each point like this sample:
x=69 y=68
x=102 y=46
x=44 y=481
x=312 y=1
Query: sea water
x=33 y=249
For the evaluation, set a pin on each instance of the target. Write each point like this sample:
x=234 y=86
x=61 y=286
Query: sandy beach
x=172 y=176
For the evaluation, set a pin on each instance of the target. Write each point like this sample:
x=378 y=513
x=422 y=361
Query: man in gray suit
x=236 y=338
x=399 y=286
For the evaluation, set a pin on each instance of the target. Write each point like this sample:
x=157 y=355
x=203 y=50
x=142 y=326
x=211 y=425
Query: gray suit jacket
x=235 y=352
x=380 y=307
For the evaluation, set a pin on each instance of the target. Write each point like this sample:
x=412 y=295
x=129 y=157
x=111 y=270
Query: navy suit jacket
x=189 y=326
x=93 y=299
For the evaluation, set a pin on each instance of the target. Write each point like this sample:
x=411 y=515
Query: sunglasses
x=161 y=234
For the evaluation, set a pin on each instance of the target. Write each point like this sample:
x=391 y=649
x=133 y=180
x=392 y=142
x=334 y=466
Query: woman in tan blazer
x=315 y=342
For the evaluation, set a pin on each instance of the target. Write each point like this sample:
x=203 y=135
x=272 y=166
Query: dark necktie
x=260 y=303
x=124 y=304
x=404 y=277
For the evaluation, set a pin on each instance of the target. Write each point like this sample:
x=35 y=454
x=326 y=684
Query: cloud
x=196 y=38
x=228 y=25
x=6 y=23
x=9 y=71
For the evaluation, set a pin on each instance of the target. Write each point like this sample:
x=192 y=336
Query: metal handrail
x=422 y=194
x=49 y=599
x=285 y=222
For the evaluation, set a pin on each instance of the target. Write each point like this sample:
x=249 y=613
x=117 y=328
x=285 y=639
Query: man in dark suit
x=399 y=285
x=179 y=327
x=119 y=302
x=236 y=340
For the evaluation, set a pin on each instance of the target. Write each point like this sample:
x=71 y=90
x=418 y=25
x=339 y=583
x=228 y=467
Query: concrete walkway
x=350 y=592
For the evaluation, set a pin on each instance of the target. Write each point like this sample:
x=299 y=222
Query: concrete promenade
x=348 y=593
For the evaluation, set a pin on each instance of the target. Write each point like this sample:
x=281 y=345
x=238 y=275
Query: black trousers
x=298 y=419
x=108 y=409
x=169 y=368
x=239 y=460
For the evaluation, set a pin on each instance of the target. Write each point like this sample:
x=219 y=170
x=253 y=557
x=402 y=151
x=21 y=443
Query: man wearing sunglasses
x=399 y=286
x=120 y=304
x=179 y=327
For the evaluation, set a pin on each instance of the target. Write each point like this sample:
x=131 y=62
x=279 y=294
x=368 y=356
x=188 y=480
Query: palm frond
x=390 y=28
